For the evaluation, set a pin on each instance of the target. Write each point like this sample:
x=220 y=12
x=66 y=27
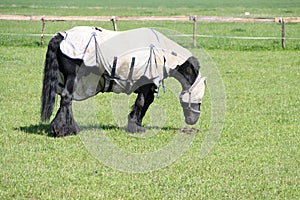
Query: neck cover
x=195 y=93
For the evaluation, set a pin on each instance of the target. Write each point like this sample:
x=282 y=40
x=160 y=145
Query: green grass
x=155 y=3
x=256 y=156
x=274 y=8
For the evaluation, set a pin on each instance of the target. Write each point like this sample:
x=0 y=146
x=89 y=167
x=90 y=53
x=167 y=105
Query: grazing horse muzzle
x=191 y=100
x=191 y=112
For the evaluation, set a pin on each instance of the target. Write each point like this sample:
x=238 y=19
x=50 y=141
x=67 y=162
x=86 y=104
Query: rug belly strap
x=129 y=81
x=112 y=76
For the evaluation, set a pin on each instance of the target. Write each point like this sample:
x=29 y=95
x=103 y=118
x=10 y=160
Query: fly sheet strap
x=129 y=81
x=112 y=75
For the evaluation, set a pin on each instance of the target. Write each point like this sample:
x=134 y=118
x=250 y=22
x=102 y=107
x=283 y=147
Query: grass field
x=256 y=156
x=274 y=8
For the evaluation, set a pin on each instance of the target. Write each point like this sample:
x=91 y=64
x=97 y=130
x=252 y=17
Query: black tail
x=50 y=78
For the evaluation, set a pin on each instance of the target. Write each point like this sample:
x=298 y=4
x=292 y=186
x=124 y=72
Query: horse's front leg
x=64 y=124
x=144 y=99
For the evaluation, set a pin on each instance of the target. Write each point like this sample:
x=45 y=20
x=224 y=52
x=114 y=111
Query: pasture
x=256 y=155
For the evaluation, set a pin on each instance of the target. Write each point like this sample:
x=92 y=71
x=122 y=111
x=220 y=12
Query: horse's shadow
x=44 y=129
x=38 y=129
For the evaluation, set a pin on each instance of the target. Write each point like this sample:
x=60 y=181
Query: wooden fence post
x=195 y=31
x=194 y=19
x=43 y=31
x=283 y=33
x=114 y=21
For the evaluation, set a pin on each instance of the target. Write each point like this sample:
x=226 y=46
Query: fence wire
x=179 y=35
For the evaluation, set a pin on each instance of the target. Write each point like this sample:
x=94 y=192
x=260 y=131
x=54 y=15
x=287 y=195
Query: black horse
x=61 y=78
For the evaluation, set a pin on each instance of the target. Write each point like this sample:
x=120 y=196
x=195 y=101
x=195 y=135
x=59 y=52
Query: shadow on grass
x=38 y=129
x=44 y=129
x=108 y=127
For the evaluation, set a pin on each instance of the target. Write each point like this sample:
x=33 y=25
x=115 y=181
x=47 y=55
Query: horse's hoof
x=134 y=128
x=64 y=130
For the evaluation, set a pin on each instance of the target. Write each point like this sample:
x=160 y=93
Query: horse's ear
x=195 y=63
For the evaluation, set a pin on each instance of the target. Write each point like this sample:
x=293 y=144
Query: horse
x=85 y=61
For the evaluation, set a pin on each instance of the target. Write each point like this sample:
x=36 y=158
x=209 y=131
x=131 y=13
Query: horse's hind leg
x=64 y=123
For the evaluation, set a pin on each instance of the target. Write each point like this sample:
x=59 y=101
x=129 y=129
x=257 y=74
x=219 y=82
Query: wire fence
x=195 y=19
x=177 y=35
x=236 y=37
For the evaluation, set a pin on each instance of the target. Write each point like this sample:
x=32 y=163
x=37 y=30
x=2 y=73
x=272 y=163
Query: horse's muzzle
x=191 y=113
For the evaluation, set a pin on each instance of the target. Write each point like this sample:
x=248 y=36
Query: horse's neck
x=181 y=79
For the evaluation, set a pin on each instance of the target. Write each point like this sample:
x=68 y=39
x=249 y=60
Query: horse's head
x=191 y=100
x=193 y=88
